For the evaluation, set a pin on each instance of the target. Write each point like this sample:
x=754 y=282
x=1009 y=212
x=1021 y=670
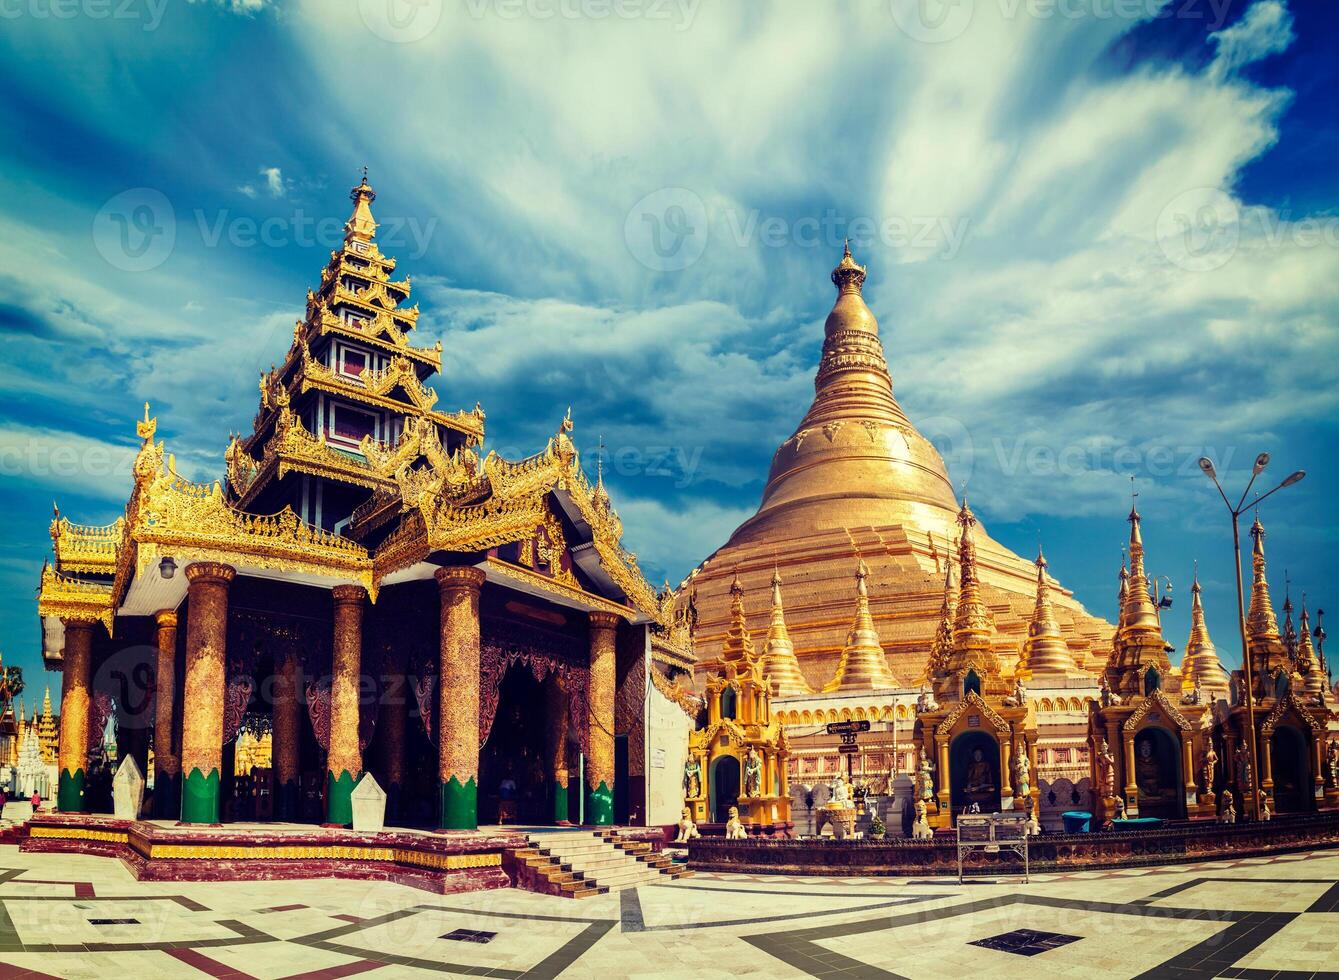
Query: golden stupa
x=856 y=482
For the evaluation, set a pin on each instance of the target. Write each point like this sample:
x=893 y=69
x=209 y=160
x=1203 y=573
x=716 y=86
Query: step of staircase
x=583 y=862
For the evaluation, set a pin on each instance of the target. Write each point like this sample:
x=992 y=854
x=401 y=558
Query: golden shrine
x=377 y=592
x=976 y=736
x=857 y=482
x=1291 y=708
x=1145 y=742
x=740 y=757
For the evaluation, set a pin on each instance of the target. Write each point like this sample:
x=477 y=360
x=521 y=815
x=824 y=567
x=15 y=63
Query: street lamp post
x=1261 y=462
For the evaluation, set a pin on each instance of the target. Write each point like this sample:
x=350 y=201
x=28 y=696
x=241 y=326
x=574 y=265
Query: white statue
x=1105 y=696
x=1265 y=812
x=1229 y=814
x=925 y=701
x=1019 y=697
x=841 y=792
x=1106 y=770
x=734 y=827
x=920 y=830
x=1033 y=822
x=925 y=783
x=687 y=829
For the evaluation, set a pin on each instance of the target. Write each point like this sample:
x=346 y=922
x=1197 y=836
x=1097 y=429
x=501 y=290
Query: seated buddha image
x=980 y=779
x=1148 y=773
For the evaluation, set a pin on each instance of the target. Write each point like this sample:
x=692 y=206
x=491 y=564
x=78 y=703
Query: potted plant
x=876 y=828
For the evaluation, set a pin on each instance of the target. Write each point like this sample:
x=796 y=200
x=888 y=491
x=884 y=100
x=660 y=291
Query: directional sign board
x=848 y=749
x=847 y=727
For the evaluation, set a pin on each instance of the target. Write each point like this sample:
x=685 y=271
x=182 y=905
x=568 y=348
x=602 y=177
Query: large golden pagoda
x=858 y=481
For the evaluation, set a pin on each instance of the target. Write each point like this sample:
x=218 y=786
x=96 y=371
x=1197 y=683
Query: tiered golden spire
x=738 y=644
x=1262 y=625
x=1201 y=665
x=1045 y=652
x=972 y=624
x=1307 y=664
x=864 y=665
x=1138 y=643
x=778 y=658
x=49 y=738
x=941 y=647
x=361 y=226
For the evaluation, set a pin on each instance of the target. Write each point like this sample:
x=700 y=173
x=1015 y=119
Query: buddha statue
x=980 y=780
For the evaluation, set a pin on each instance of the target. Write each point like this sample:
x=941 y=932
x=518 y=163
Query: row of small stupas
x=41 y=727
x=857 y=487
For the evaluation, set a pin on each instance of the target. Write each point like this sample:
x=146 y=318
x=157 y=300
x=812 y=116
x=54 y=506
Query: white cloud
x=1265 y=29
x=274 y=180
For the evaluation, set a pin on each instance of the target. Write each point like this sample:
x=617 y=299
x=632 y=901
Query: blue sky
x=1102 y=241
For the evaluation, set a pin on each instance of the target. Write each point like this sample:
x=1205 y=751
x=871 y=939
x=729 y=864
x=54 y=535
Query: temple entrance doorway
x=974 y=761
x=1291 y=765
x=723 y=789
x=1157 y=773
x=512 y=773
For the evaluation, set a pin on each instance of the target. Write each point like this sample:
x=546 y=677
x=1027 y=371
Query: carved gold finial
x=146 y=429
x=1045 y=652
x=863 y=664
x=780 y=664
x=848 y=276
x=361 y=226
x=1200 y=665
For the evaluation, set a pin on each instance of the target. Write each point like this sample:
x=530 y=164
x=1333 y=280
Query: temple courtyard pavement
x=72 y=915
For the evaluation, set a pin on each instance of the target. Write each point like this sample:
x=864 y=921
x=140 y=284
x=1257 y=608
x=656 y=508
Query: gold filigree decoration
x=973 y=702
x=1160 y=700
x=1290 y=702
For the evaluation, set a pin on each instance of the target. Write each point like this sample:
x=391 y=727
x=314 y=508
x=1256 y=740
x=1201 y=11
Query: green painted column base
x=460 y=805
x=70 y=795
x=200 y=797
x=560 y=802
x=600 y=805
x=339 y=798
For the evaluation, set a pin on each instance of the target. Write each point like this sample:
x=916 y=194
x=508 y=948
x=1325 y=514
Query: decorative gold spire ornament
x=779 y=662
x=1308 y=666
x=361 y=226
x=738 y=643
x=1200 y=665
x=973 y=627
x=1139 y=643
x=1045 y=652
x=1262 y=625
x=863 y=665
x=941 y=648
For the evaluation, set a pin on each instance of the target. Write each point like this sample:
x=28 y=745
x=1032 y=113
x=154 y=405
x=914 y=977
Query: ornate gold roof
x=1139 y=643
x=1262 y=625
x=1201 y=664
x=779 y=663
x=738 y=643
x=85 y=548
x=863 y=665
x=973 y=627
x=1045 y=653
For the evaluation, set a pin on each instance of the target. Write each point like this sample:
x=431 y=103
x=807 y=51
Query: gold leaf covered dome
x=855 y=458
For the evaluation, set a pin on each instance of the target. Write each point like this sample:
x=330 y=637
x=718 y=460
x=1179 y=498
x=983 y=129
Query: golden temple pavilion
x=368 y=590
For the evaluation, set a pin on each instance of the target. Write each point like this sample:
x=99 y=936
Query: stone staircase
x=581 y=863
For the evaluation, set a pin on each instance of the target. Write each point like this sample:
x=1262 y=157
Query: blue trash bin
x=1077 y=821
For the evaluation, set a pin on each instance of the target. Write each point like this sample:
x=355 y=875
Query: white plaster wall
x=667 y=729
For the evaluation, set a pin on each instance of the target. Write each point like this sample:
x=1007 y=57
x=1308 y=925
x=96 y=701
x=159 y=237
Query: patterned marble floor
x=76 y=916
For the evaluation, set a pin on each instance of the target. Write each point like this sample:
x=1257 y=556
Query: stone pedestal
x=128 y=790
x=368 y=805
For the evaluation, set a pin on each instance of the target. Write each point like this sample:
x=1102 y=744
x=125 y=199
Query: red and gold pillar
x=558 y=718
x=202 y=706
x=75 y=666
x=458 y=707
x=344 y=763
x=603 y=682
x=166 y=744
x=390 y=737
x=287 y=719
